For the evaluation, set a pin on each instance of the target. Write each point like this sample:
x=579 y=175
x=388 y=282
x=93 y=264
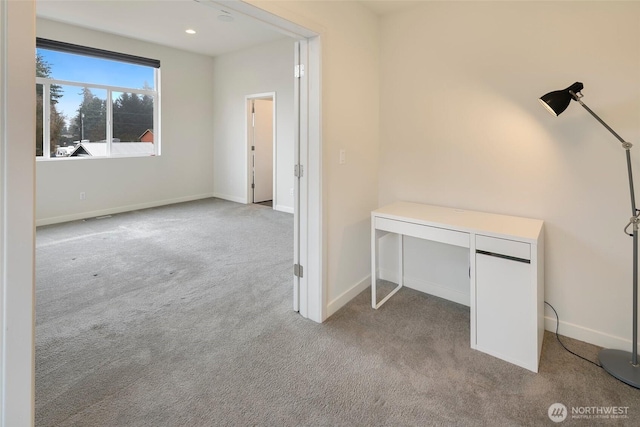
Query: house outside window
x=95 y=103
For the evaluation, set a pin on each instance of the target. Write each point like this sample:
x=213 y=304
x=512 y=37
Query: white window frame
x=46 y=114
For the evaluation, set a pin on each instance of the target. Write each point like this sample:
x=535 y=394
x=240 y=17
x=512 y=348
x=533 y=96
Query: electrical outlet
x=83 y=195
x=291 y=191
x=343 y=157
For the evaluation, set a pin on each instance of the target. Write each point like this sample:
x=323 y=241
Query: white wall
x=260 y=69
x=17 y=233
x=461 y=126
x=350 y=112
x=183 y=171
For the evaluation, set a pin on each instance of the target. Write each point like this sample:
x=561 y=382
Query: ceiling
x=165 y=21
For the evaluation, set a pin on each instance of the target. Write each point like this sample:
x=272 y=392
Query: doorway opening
x=261 y=144
x=17 y=345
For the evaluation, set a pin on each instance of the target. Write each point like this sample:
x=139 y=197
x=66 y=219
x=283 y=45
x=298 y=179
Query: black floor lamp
x=621 y=364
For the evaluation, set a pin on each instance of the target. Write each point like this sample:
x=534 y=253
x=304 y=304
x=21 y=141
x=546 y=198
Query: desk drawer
x=508 y=248
x=435 y=234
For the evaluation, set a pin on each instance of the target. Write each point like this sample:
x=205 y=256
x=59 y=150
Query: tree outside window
x=57 y=120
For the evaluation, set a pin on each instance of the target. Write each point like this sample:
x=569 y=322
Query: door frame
x=17 y=214
x=249 y=153
x=17 y=196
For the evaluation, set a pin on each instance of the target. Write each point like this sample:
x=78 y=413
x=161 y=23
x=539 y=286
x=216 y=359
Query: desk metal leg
x=374 y=249
x=374 y=273
x=401 y=261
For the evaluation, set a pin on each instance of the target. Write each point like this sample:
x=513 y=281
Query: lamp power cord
x=562 y=344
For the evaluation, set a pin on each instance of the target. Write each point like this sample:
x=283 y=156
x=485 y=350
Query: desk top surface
x=463 y=220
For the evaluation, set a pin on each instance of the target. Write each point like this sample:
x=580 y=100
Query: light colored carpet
x=182 y=316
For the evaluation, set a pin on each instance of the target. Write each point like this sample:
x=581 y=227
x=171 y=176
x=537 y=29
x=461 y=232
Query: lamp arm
x=624 y=143
x=627 y=146
x=577 y=96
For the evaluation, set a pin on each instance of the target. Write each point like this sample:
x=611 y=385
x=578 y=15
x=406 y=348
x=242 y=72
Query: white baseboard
x=587 y=335
x=428 y=287
x=348 y=295
x=283 y=208
x=231 y=198
x=119 y=209
x=570 y=330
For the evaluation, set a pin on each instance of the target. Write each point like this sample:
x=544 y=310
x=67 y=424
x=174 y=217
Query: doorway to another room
x=261 y=141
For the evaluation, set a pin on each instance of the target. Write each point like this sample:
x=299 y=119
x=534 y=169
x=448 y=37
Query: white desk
x=506 y=272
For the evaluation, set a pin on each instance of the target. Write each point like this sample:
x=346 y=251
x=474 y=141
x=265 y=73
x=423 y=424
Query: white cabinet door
x=505 y=310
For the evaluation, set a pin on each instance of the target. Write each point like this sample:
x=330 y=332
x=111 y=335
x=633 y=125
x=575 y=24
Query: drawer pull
x=511 y=258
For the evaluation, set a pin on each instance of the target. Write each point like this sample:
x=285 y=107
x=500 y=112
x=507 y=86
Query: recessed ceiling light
x=225 y=18
x=190 y=31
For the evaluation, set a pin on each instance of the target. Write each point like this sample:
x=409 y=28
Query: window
x=95 y=103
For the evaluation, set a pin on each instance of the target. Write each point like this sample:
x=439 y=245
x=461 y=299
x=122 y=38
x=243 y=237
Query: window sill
x=76 y=158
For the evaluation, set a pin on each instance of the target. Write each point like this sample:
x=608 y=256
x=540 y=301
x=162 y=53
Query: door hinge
x=298 y=171
x=253 y=148
x=253 y=185
x=298 y=71
x=297 y=270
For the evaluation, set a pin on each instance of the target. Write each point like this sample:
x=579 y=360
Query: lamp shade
x=557 y=101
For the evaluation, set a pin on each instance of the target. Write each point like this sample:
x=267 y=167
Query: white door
x=262 y=148
x=299 y=301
